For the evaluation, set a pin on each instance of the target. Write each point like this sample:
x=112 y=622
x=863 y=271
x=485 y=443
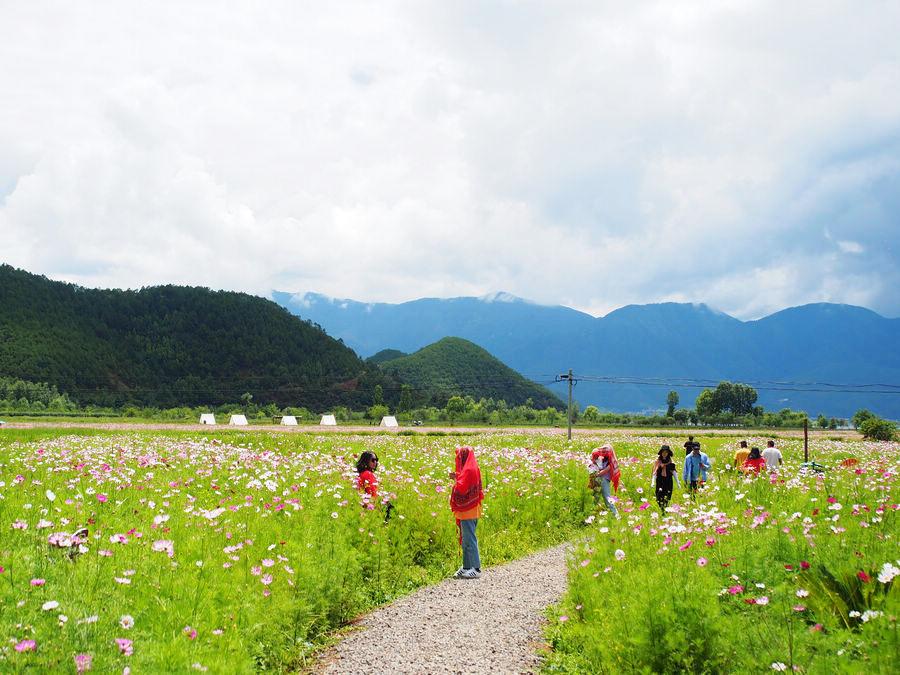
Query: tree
x=707 y=405
x=378 y=395
x=822 y=421
x=246 y=397
x=878 y=429
x=456 y=406
x=405 y=403
x=671 y=402
x=861 y=416
x=376 y=412
x=591 y=415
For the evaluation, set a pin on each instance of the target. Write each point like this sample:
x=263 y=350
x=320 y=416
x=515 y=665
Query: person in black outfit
x=664 y=475
x=689 y=445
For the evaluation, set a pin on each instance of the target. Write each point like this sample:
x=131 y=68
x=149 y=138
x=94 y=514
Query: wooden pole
x=570 y=404
x=805 y=439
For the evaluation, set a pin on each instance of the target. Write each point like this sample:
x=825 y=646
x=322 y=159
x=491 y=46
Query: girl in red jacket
x=465 y=502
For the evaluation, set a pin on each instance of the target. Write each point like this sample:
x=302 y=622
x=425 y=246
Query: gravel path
x=487 y=625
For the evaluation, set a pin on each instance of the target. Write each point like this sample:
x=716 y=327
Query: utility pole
x=805 y=439
x=568 y=376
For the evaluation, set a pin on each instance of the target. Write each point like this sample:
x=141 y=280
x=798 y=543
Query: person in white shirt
x=772 y=455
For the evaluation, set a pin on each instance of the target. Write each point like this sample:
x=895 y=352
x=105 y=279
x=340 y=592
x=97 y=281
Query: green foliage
x=878 y=429
x=376 y=412
x=671 y=403
x=861 y=416
x=168 y=346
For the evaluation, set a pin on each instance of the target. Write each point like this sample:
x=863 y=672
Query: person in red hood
x=465 y=502
x=604 y=471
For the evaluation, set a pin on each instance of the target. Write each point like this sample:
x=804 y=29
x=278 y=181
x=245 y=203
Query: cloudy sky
x=592 y=154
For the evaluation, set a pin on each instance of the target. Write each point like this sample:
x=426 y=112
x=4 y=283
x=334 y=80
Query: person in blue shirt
x=696 y=465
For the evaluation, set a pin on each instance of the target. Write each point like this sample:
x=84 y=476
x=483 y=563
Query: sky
x=590 y=154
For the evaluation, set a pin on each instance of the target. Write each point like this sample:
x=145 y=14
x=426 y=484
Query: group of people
x=466 y=497
x=467 y=494
x=605 y=474
x=753 y=461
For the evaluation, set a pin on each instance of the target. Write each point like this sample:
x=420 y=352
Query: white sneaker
x=459 y=573
x=470 y=573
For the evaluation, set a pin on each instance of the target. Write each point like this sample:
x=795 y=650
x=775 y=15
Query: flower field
x=241 y=552
x=795 y=572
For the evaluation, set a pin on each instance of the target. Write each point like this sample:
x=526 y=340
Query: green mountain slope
x=454 y=366
x=172 y=345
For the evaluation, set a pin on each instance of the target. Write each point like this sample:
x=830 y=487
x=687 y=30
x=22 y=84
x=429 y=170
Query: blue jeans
x=471 y=559
x=605 y=492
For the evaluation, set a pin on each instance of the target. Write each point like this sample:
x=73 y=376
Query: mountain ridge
x=816 y=342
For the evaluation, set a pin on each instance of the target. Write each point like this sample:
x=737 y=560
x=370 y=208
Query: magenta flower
x=734 y=590
x=686 y=545
x=266 y=579
x=701 y=561
x=102 y=498
x=26 y=646
x=82 y=662
x=125 y=646
x=190 y=632
x=38 y=582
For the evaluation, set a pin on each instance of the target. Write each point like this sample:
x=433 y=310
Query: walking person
x=664 y=473
x=772 y=455
x=465 y=502
x=696 y=465
x=604 y=470
x=689 y=445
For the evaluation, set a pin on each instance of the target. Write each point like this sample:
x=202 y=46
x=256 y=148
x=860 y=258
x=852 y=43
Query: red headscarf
x=609 y=454
x=467 y=492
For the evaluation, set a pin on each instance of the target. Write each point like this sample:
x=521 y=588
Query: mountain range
x=794 y=357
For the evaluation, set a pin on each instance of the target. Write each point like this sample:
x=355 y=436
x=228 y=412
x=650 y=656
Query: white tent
x=289 y=420
x=328 y=421
x=389 y=421
x=207 y=418
x=238 y=420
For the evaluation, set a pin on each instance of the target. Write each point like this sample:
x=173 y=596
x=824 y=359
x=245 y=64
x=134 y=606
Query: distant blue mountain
x=819 y=343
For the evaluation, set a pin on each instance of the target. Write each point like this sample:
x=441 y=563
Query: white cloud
x=576 y=153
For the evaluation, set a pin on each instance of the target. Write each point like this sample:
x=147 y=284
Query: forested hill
x=456 y=366
x=172 y=346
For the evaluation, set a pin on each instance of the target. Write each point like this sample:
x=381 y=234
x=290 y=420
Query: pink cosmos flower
x=804 y=565
x=266 y=579
x=190 y=632
x=865 y=578
x=38 y=582
x=26 y=646
x=102 y=498
x=125 y=646
x=710 y=541
x=164 y=545
x=701 y=561
x=82 y=662
x=734 y=590
x=686 y=545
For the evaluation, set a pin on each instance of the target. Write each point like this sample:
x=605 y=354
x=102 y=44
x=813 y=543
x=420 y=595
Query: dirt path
x=847 y=434
x=487 y=625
